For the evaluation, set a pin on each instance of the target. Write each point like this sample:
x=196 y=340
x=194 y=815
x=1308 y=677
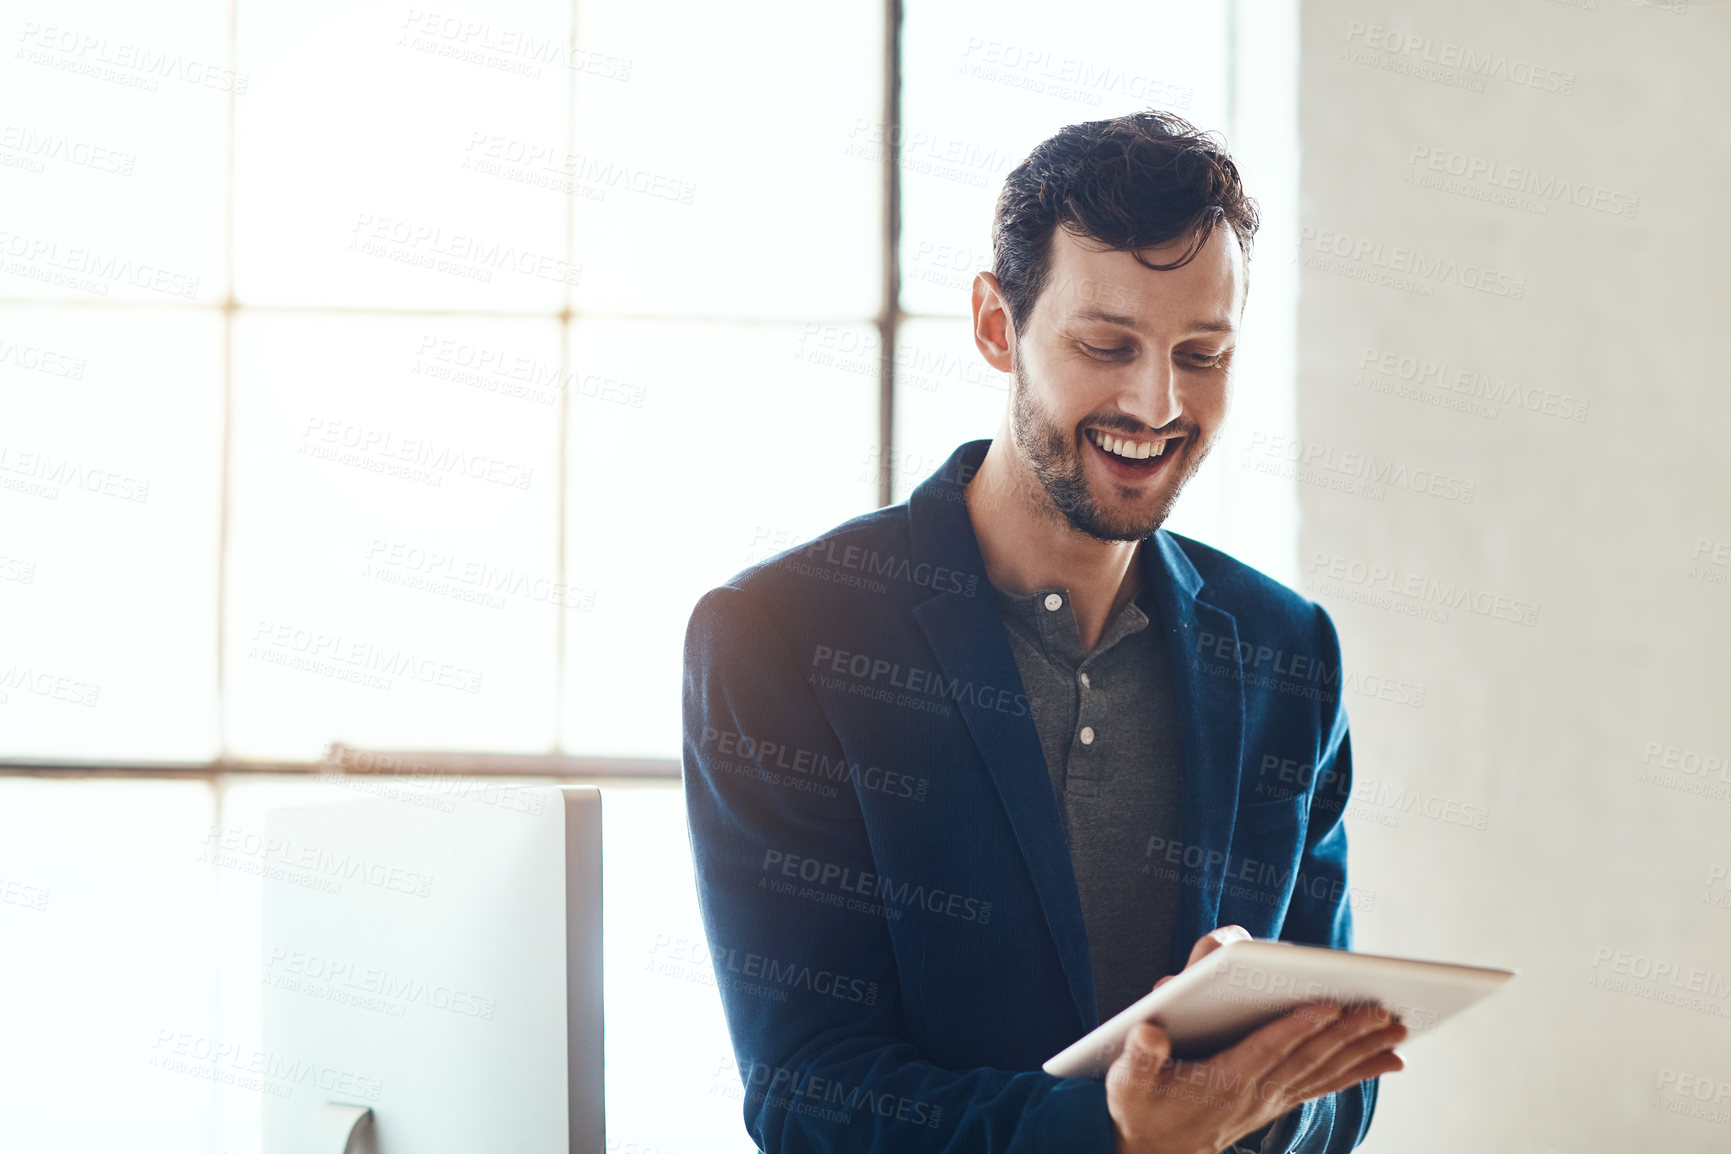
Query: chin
x=1118 y=520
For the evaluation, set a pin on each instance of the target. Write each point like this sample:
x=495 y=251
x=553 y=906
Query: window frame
x=555 y=764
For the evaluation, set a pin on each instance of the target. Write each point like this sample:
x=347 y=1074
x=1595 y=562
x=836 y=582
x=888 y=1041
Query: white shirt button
x=1087 y=735
x=1086 y=684
x=1054 y=602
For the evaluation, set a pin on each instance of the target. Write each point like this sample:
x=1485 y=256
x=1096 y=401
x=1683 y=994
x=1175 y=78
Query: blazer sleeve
x=1321 y=910
x=825 y=1059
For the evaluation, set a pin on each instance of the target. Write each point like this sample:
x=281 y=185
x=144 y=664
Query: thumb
x=1146 y=1052
x=1214 y=939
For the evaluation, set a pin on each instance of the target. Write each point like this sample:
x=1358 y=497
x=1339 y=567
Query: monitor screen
x=437 y=962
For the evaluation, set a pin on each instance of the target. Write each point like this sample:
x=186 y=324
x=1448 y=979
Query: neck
x=1028 y=544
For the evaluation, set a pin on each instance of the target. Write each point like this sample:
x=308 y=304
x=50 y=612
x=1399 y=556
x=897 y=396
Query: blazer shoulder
x=1248 y=593
x=843 y=559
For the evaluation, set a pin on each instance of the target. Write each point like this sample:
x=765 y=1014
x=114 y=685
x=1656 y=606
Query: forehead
x=1086 y=280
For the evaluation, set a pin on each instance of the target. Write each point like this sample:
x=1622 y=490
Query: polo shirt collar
x=942 y=534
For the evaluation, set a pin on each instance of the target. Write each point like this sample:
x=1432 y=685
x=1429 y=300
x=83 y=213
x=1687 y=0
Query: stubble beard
x=1055 y=455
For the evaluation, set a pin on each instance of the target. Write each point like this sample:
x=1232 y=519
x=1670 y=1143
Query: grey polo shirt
x=1108 y=724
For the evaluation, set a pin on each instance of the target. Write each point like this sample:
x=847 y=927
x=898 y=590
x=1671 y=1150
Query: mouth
x=1132 y=457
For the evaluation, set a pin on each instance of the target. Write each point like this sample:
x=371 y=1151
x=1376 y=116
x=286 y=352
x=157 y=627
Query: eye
x=1105 y=354
x=1206 y=360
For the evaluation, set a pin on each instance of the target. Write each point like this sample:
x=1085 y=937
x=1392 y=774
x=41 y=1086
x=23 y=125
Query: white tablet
x=1245 y=985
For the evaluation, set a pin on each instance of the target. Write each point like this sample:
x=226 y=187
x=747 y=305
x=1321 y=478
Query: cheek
x=1066 y=392
x=1206 y=403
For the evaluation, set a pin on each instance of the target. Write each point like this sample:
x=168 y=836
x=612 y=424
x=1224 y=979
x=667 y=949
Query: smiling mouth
x=1130 y=452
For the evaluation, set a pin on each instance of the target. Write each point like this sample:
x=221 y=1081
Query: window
x=399 y=377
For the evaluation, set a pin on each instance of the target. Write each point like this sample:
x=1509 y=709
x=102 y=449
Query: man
x=967 y=775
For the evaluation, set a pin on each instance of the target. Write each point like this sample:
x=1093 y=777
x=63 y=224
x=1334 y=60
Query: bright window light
x=400 y=376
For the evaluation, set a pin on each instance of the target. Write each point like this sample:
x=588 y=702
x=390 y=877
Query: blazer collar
x=938 y=514
x=971 y=646
x=1210 y=694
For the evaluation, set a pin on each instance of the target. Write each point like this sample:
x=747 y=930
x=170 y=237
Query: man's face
x=1119 y=378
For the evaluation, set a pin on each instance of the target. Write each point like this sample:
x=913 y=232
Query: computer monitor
x=437 y=961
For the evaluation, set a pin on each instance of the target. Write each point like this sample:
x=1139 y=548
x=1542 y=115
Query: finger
x=1375 y=1012
x=1271 y=1045
x=1147 y=1049
x=1319 y=1055
x=1368 y=1046
x=1351 y=1056
x=1387 y=1062
x=1214 y=939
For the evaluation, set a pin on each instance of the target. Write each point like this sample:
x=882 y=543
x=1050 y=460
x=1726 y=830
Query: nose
x=1151 y=393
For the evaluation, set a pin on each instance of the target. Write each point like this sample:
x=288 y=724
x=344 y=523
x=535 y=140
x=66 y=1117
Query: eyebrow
x=1095 y=314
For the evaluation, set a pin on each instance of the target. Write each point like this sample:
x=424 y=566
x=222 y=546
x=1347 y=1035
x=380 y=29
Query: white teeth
x=1129 y=450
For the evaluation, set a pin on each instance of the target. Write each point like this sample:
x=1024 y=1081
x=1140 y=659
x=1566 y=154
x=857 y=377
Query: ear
x=994 y=334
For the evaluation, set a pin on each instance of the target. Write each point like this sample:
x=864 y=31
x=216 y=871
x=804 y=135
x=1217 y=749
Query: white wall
x=1586 y=864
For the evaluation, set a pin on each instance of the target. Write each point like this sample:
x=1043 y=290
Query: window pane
x=946 y=394
x=113 y=158
x=393 y=563
x=750 y=439
x=983 y=83
x=728 y=158
x=107 y=936
x=363 y=166
x=110 y=481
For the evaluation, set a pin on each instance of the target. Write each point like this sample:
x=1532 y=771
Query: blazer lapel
x=1211 y=711
x=968 y=640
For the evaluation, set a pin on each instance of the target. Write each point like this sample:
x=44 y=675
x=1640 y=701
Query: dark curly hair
x=1132 y=182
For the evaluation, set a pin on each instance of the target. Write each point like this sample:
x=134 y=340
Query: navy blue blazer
x=881 y=864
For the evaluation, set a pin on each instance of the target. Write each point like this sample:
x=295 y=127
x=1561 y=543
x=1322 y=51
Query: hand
x=1176 y=1107
x=1207 y=944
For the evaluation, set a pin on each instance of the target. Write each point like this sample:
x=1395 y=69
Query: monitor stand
x=342 y=1129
